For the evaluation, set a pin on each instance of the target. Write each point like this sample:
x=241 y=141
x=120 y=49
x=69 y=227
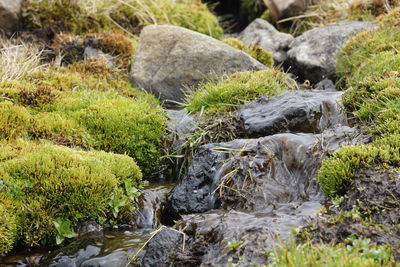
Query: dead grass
x=18 y=59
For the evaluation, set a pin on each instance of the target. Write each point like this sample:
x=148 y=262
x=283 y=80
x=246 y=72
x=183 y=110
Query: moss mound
x=84 y=16
x=45 y=181
x=254 y=51
x=234 y=90
x=369 y=65
x=87 y=105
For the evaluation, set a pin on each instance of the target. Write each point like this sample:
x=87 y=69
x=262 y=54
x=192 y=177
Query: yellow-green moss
x=239 y=88
x=254 y=51
x=45 y=182
x=85 y=104
x=359 y=252
x=84 y=16
x=8 y=222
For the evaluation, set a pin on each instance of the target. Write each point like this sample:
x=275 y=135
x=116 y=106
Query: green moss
x=239 y=88
x=360 y=252
x=88 y=105
x=84 y=16
x=46 y=181
x=8 y=223
x=254 y=51
x=126 y=127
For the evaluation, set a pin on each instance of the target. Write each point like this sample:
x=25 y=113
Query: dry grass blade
x=18 y=60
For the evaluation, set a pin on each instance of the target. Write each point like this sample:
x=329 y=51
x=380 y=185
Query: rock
x=170 y=59
x=162 y=246
x=76 y=259
x=116 y=259
x=253 y=174
x=260 y=32
x=209 y=234
x=293 y=111
x=150 y=206
x=93 y=53
x=312 y=55
x=88 y=227
x=10 y=15
x=326 y=85
x=281 y=9
x=180 y=123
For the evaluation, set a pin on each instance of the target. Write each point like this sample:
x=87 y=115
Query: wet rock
x=312 y=56
x=260 y=32
x=116 y=259
x=181 y=123
x=9 y=15
x=294 y=111
x=182 y=59
x=326 y=85
x=281 y=9
x=151 y=203
x=253 y=174
x=209 y=234
x=76 y=259
x=163 y=246
x=88 y=227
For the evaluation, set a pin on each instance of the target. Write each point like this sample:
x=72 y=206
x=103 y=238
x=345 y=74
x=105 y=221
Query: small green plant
x=116 y=203
x=132 y=191
x=235 y=245
x=64 y=230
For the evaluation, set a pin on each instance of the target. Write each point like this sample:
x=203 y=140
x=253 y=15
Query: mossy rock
x=85 y=16
x=255 y=51
x=45 y=181
x=233 y=91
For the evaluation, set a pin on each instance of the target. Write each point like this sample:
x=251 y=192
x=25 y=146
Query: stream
x=251 y=191
x=108 y=247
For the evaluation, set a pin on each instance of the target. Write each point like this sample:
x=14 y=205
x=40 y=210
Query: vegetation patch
x=323 y=12
x=85 y=104
x=369 y=65
x=254 y=51
x=45 y=182
x=355 y=252
x=233 y=91
x=85 y=16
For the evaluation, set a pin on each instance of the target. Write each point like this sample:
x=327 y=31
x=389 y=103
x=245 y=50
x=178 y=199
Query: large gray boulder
x=293 y=111
x=171 y=59
x=260 y=32
x=9 y=15
x=312 y=56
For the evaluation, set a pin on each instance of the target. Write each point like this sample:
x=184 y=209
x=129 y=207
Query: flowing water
x=110 y=247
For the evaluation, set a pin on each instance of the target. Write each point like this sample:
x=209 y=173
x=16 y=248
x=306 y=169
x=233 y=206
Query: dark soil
x=371 y=209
